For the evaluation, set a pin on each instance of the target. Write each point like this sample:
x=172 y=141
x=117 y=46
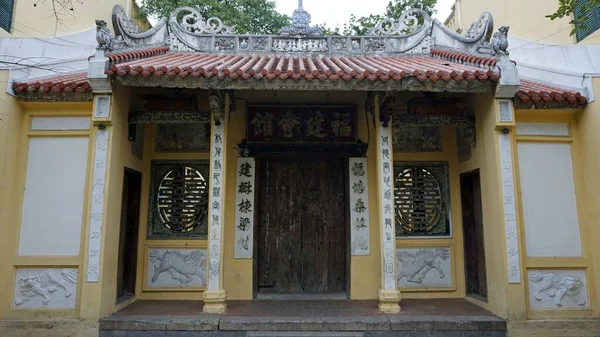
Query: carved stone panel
x=510 y=209
x=180 y=269
x=43 y=288
x=192 y=137
x=421 y=199
x=465 y=141
x=424 y=268
x=385 y=163
x=359 y=207
x=418 y=139
x=178 y=200
x=558 y=289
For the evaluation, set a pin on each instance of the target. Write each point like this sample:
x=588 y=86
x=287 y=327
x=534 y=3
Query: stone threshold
x=399 y=323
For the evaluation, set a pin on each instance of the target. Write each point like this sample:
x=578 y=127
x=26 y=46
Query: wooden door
x=302 y=226
x=472 y=214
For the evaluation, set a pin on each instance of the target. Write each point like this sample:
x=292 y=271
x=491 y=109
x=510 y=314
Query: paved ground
x=335 y=308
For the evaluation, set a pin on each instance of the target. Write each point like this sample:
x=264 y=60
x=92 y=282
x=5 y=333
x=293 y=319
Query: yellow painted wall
x=39 y=21
x=485 y=158
x=12 y=143
x=15 y=134
x=526 y=19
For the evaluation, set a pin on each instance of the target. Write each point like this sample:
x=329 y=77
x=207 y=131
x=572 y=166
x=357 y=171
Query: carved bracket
x=387 y=104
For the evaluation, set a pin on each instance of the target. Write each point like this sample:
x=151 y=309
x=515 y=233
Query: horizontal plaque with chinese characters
x=301 y=124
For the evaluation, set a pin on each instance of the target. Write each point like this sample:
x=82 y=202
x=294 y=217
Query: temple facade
x=189 y=162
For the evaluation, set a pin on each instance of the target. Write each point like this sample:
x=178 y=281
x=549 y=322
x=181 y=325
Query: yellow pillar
x=389 y=295
x=215 y=296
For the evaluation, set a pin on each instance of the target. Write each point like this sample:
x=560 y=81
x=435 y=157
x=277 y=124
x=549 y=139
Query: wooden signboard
x=301 y=124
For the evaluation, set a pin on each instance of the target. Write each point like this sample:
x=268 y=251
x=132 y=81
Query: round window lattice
x=182 y=200
x=418 y=200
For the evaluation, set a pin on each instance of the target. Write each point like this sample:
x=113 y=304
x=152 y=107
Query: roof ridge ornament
x=409 y=23
x=193 y=22
x=301 y=24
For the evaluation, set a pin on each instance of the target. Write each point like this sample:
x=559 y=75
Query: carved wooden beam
x=169 y=117
x=401 y=118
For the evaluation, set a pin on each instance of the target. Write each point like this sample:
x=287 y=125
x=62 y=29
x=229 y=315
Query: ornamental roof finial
x=301 y=24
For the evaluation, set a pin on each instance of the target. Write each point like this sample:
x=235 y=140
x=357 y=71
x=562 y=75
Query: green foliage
x=566 y=8
x=248 y=16
x=394 y=9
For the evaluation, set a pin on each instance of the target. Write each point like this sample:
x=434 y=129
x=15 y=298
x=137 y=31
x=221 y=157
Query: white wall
x=52 y=213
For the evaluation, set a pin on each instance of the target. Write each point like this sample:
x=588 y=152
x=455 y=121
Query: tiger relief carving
x=181 y=267
x=557 y=287
x=44 y=284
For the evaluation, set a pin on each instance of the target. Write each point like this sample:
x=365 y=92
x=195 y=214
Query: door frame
x=303 y=155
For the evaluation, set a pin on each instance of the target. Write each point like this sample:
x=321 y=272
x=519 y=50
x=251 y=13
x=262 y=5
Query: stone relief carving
x=299 y=45
x=424 y=267
x=374 y=44
x=499 y=43
x=37 y=287
x=413 y=32
x=406 y=25
x=190 y=20
x=137 y=146
x=260 y=43
x=557 y=288
x=466 y=140
x=171 y=267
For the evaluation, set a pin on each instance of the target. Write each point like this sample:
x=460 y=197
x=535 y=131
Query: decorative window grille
x=179 y=200
x=421 y=199
x=6 y=14
x=590 y=18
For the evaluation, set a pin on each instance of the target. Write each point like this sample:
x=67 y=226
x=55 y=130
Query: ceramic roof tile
x=307 y=67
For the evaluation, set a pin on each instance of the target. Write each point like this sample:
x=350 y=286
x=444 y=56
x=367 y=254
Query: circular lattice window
x=182 y=199
x=418 y=200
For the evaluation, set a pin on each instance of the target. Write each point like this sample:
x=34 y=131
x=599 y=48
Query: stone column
x=215 y=295
x=389 y=296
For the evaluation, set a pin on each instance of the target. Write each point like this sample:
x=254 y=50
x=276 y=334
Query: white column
x=215 y=295
x=389 y=296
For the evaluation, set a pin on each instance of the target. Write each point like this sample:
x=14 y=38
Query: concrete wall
x=40 y=21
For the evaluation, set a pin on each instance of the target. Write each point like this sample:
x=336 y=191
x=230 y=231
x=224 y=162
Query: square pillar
x=215 y=296
x=389 y=295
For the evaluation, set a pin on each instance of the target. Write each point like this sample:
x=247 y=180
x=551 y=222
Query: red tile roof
x=535 y=93
x=68 y=83
x=136 y=54
x=530 y=93
x=462 y=58
x=272 y=66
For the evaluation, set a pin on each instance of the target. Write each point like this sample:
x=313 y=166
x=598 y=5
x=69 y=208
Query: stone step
x=303 y=334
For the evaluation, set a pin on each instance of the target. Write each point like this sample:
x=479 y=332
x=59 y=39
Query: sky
x=321 y=10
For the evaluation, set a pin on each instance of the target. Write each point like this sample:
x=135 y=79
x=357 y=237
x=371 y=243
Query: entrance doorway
x=301 y=232
x=128 y=234
x=476 y=277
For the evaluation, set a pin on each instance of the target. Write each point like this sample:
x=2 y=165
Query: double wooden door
x=302 y=226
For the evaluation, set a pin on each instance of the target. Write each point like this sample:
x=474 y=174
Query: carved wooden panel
x=178 y=199
x=417 y=139
x=192 y=137
x=301 y=124
x=421 y=199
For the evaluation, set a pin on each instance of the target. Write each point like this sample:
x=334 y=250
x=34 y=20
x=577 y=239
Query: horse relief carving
x=557 y=287
x=415 y=267
x=44 y=284
x=182 y=268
